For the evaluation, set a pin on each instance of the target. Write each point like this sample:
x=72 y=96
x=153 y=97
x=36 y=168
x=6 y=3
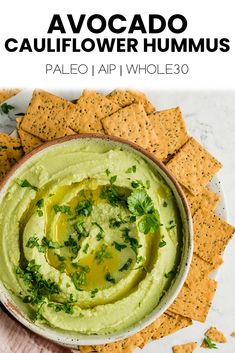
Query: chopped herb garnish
x=164 y=204
x=100 y=234
x=113 y=179
x=142 y=267
x=84 y=208
x=147 y=184
x=66 y=307
x=171 y=227
x=131 y=169
x=94 y=292
x=126 y=266
x=26 y=184
x=209 y=343
x=73 y=245
x=60 y=258
x=137 y=184
x=134 y=244
x=118 y=246
x=84 y=268
x=116 y=222
x=62 y=267
x=112 y=194
x=5 y=108
x=162 y=243
x=132 y=219
x=102 y=254
x=32 y=242
x=80 y=229
x=139 y=259
x=107 y=171
x=140 y=203
x=150 y=223
x=79 y=279
x=49 y=244
x=39 y=212
x=62 y=209
x=110 y=278
x=45 y=244
x=170 y=274
x=85 y=249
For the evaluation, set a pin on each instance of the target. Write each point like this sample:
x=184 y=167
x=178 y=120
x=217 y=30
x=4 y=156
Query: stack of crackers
x=130 y=115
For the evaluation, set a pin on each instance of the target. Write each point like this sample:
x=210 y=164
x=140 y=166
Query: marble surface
x=210 y=117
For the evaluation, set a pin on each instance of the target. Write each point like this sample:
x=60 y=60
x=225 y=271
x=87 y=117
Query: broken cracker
x=193 y=166
x=7 y=93
x=126 y=97
x=185 y=348
x=195 y=302
x=171 y=123
x=215 y=335
x=4 y=164
x=132 y=123
x=12 y=146
x=86 y=115
x=47 y=116
x=211 y=234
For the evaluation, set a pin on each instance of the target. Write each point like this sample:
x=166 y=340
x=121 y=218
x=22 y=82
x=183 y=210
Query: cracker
x=4 y=164
x=132 y=123
x=211 y=234
x=29 y=142
x=124 y=346
x=87 y=113
x=199 y=269
x=185 y=348
x=215 y=335
x=86 y=349
x=233 y=334
x=193 y=166
x=206 y=199
x=12 y=146
x=126 y=97
x=7 y=93
x=173 y=127
x=47 y=116
x=195 y=302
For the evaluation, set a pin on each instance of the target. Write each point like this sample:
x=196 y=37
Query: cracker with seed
x=12 y=146
x=29 y=142
x=193 y=166
x=132 y=123
x=206 y=199
x=4 y=164
x=215 y=335
x=199 y=269
x=211 y=234
x=7 y=93
x=86 y=115
x=124 y=346
x=195 y=302
x=185 y=348
x=173 y=127
x=47 y=116
x=123 y=98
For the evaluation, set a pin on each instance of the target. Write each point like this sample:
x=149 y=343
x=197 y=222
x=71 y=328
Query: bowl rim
x=72 y=342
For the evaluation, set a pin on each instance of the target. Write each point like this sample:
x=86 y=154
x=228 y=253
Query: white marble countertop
x=210 y=117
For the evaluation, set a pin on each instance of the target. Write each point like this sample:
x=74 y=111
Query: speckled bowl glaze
x=73 y=340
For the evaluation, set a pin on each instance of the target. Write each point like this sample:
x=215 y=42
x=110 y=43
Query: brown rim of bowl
x=101 y=137
x=150 y=156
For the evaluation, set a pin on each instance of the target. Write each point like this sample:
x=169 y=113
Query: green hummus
x=90 y=237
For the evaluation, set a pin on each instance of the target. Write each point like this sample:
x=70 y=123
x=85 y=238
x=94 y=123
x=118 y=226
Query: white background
x=209 y=112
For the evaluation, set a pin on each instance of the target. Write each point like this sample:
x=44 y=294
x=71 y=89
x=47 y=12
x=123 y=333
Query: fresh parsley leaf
x=137 y=184
x=107 y=171
x=5 y=108
x=66 y=307
x=209 y=343
x=164 y=204
x=110 y=278
x=113 y=179
x=126 y=266
x=100 y=234
x=32 y=242
x=81 y=230
x=73 y=245
x=134 y=244
x=94 y=292
x=132 y=219
x=119 y=246
x=140 y=203
x=102 y=254
x=49 y=244
x=112 y=194
x=84 y=208
x=85 y=249
x=116 y=222
x=60 y=258
x=79 y=279
x=139 y=259
x=62 y=209
x=150 y=223
x=84 y=268
x=26 y=184
x=172 y=273
x=162 y=243
x=131 y=169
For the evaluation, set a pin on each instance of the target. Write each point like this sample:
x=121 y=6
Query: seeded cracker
x=126 y=97
x=29 y=142
x=7 y=93
x=215 y=335
x=173 y=128
x=4 y=164
x=193 y=166
x=195 y=302
x=86 y=115
x=206 y=199
x=132 y=123
x=211 y=234
x=185 y=348
x=12 y=146
x=47 y=116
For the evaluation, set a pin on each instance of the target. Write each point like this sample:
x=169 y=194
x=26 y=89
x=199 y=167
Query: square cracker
x=199 y=269
x=185 y=348
x=206 y=199
x=193 y=166
x=4 y=164
x=12 y=146
x=132 y=123
x=126 y=97
x=7 y=93
x=86 y=115
x=47 y=116
x=211 y=234
x=29 y=142
x=173 y=127
x=195 y=302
